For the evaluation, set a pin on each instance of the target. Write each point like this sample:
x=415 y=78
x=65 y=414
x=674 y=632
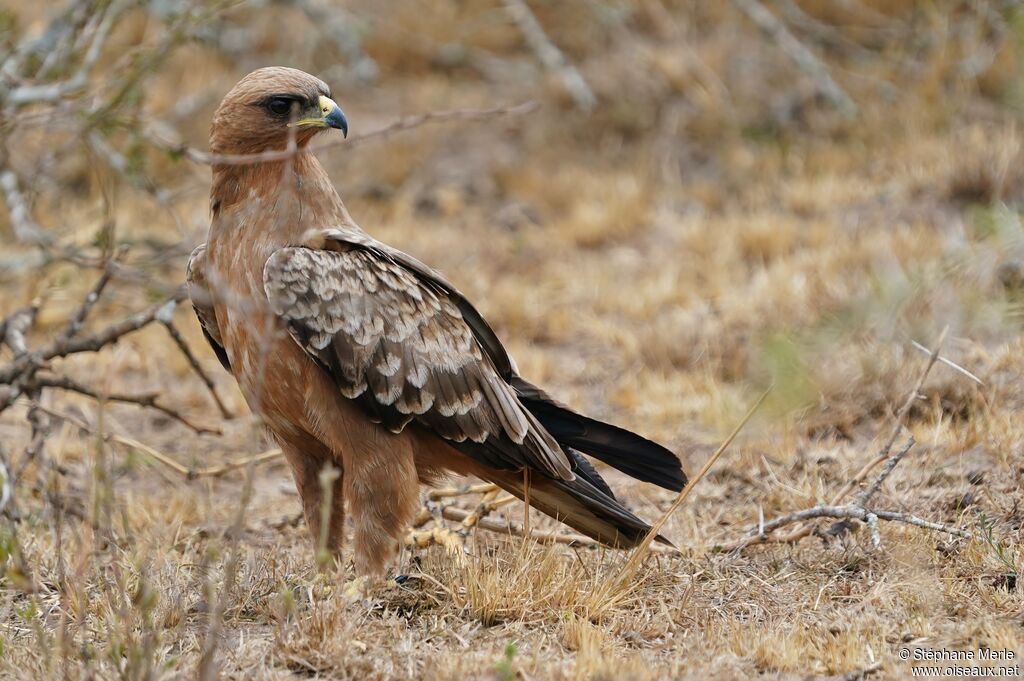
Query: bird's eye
x=279 y=106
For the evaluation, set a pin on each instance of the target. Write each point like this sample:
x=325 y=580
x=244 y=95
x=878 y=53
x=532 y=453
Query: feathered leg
x=307 y=458
x=381 y=487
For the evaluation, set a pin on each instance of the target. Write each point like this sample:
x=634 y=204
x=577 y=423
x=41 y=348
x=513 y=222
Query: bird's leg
x=382 y=488
x=321 y=495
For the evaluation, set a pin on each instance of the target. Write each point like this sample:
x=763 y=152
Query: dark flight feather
x=635 y=456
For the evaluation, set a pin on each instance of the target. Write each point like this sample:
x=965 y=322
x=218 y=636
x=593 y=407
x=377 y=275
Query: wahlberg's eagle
x=360 y=356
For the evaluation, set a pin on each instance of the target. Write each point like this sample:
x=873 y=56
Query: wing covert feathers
x=395 y=341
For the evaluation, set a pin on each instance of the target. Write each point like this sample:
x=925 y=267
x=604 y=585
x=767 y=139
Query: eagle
x=359 y=357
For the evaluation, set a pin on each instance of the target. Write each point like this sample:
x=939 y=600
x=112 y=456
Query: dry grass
x=707 y=231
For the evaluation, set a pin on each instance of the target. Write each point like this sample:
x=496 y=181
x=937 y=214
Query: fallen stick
x=857 y=509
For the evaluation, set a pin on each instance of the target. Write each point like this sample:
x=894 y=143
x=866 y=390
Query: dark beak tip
x=336 y=119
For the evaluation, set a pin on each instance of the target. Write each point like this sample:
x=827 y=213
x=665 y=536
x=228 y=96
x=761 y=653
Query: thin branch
x=193 y=361
x=55 y=92
x=148 y=400
x=217 y=471
x=857 y=509
x=550 y=56
x=78 y=319
x=62 y=347
x=160 y=457
x=854 y=512
x=950 y=364
x=120 y=439
x=37 y=441
x=14 y=327
x=901 y=417
x=864 y=497
x=777 y=32
x=629 y=569
x=25 y=230
x=445 y=492
x=407 y=123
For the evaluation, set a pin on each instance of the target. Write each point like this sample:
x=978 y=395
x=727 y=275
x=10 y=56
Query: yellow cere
x=327 y=105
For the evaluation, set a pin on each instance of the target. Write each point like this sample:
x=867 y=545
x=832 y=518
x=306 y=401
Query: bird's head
x=270 y=106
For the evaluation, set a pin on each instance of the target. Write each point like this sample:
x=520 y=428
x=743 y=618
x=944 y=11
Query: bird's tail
x=635 y=456
x=578 y=504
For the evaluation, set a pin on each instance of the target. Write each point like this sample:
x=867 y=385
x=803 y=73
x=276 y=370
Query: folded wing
x=401 y=348
x=202 y=303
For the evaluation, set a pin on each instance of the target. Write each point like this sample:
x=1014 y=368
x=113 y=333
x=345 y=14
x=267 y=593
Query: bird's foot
x=455 y=542
x=356 y=589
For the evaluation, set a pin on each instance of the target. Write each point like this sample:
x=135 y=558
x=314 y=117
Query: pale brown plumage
x=359 y=355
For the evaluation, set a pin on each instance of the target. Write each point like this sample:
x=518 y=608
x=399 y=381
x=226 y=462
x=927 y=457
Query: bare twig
x=160 y=457
x=629 y=568
x=216 y=471
x=550 y=56
x=854 y=512
x=179 y=340
x=25 y=230
x=54 y=92
x=901 y=418
x=14 y=327
x=78 y=319
x=777 y=32
x=37 y=441
x=445 y=492
x=488 y=504
x=147 y=400
x=865 y=496
x=858 y=508
x=950 y=364
x=407 y=123
x=62 y=346
x=120 y=439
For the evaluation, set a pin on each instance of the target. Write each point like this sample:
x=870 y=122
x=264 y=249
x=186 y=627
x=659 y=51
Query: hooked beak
x=331 y=116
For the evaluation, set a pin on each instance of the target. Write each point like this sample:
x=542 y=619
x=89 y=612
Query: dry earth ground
x=657 y=264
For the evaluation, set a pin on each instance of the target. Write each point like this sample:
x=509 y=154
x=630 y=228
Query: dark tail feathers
x=580 y=505
x=628 y=452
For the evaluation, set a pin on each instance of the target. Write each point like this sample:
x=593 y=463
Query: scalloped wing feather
x=396 y=340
